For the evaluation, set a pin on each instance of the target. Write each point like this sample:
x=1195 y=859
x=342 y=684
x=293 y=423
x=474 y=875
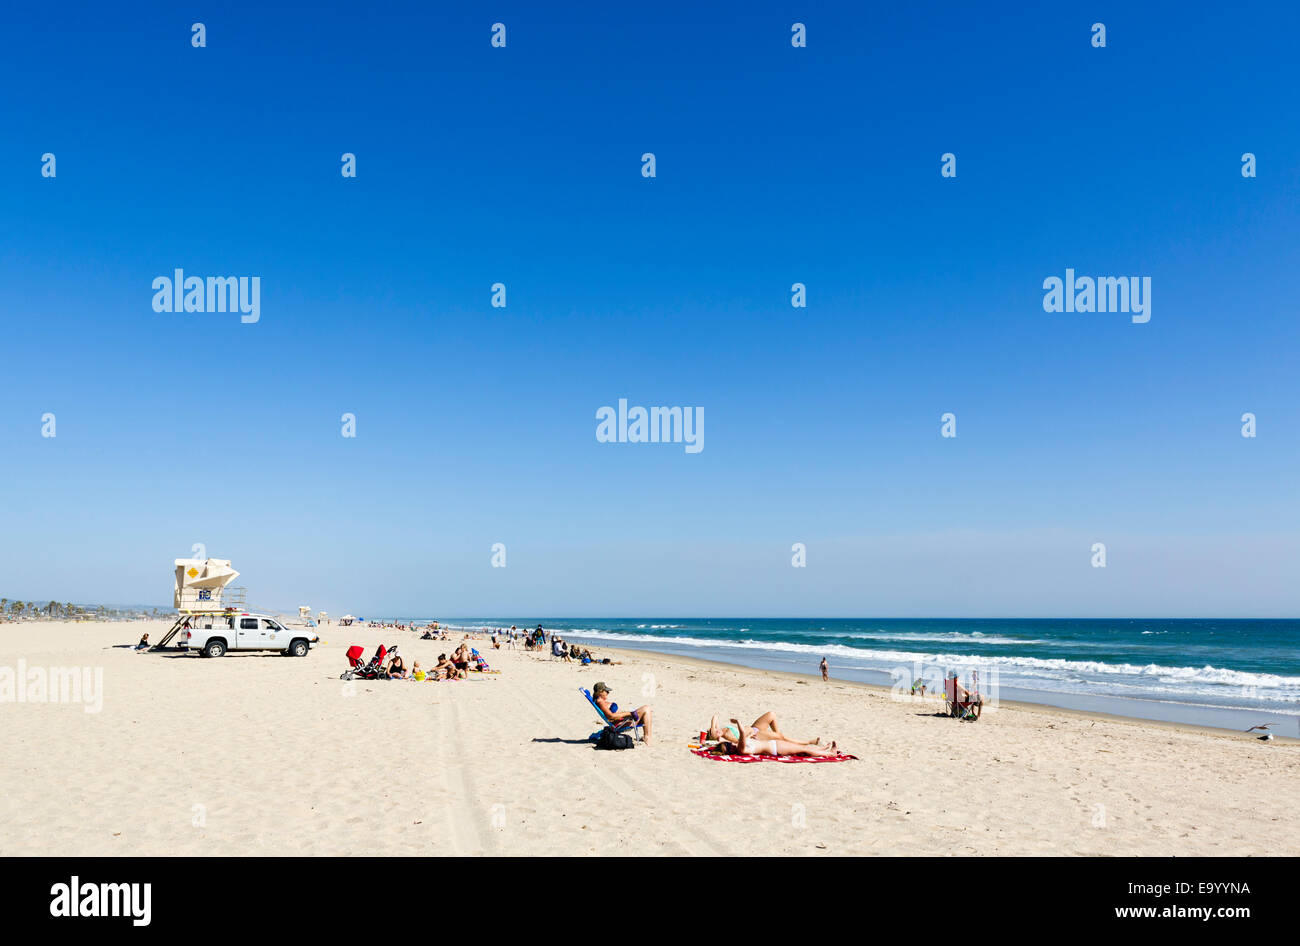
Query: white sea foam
x=1220 y=685
x=1090 y=674
x=950 y=637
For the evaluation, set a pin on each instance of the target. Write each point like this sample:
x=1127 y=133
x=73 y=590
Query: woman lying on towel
x=765 y=727
x=748 y=745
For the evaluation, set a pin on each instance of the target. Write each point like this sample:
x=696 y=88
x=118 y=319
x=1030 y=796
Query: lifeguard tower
x=202 y=590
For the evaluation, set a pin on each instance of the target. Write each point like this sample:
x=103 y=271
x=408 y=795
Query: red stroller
x=366 y=671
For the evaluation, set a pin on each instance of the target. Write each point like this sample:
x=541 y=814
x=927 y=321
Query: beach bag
x=613 y=740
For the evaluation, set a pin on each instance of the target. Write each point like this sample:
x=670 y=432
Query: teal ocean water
x=1215 y=672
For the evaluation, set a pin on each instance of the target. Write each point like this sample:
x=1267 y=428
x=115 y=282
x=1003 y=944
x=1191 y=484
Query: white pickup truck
x=247 y=630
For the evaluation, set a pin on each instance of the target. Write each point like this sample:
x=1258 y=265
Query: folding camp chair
x=959 y=709
x=623 y=725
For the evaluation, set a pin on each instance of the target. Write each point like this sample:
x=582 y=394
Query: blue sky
x=775 y=165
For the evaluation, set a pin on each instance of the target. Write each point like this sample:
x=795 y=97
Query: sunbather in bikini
x=643 y=715
x=765 y=727
x=776 y=747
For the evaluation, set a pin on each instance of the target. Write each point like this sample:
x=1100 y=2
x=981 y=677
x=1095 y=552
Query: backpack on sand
x=609 y=739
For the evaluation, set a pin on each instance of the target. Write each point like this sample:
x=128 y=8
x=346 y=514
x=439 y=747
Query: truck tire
x=298 y=648
x=214 y=648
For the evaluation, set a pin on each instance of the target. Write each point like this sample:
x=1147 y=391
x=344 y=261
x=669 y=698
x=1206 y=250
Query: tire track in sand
x=461 y=813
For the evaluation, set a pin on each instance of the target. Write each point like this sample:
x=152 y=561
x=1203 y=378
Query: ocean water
x=1227 y=673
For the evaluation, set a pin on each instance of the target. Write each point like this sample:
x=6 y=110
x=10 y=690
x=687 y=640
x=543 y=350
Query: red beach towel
x=721 y=757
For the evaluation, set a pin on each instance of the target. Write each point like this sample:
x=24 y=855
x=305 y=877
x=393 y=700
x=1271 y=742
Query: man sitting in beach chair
x=960 y=702
x=617 y=719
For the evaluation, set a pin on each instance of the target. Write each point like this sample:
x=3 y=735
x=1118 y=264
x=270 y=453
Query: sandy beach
x=264 y=754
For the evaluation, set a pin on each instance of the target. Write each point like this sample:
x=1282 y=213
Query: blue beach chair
x=624 y=725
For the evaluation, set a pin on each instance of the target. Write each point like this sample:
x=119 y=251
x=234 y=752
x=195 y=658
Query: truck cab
x=214 y=635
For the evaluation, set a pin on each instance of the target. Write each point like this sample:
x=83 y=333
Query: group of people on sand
x=572 y=653
x=455 y=667
x=433 y=631
x=537 y=639
x=762 y=737
x=533 y=640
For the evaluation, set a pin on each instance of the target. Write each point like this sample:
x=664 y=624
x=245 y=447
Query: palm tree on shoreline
x=14 y=609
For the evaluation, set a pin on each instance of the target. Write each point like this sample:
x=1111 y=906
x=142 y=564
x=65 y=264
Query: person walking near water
x=826 y=671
